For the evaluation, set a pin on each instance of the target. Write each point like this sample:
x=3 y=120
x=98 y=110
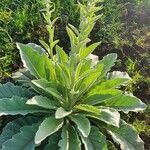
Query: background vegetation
x=124 y=29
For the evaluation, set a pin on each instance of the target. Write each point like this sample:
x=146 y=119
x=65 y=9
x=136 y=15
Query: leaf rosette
x=68 y=102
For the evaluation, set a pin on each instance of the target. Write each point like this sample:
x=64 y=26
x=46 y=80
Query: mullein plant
x=68 y=102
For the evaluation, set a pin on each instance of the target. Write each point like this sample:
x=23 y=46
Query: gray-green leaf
x=111 y=84
x=126 y=136
x=8 y=131
x=13 y=128
x=108 y=61
x=82 y=123
x=107 y=115
x=95 y=141
x=42 y=102
x=64 y=142
x=87 y=108
x=61 y=113
x=23 y=77
x=86 y=51
x=110 y=116
x=97 y=96
x=37 y=48
x=17 y=105
x=48 y=87
x=9 y=90
x=32 y=60
x=49 y=126
x=70 y=139
x=23 y=140
x=53 y=142
x=126 y=103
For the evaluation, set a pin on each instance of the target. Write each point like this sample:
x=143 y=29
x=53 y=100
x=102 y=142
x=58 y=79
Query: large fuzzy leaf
x=86 y=51
x=8 y=131
x=17 y=105
x=110 y=116
x=64 y=142
x=96 y=96
x=107 y=115
x=9 y=90
x=110 y=84
x=42 y=102
x=108 y=61
x=13 y=128
x=126 y=136
x=23 y=140
x=32 y=60
x=89 y=81
x=126 y=103
x=82 y=123
x=70 y=139
x=48 y=88
x=95 y=141
x=53 y=142
x=49 y=126
x=87 y=108
x=37 y=48
x=80 y=78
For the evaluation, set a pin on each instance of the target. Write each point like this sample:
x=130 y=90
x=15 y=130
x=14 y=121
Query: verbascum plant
x=68 y=102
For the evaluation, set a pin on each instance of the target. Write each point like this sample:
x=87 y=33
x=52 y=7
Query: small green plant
x=142 y=127
x=18 y=20
x=68 y=102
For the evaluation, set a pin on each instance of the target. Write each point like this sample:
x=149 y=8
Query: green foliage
x=142 y=127
x=77 y=101
x=13 y=128
x=124 y=25
x=17 y=23
x=20 y=21
x=111 y=24
x=96 y=140
x=141 y=122
x=25 y=135
x=125 y=136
